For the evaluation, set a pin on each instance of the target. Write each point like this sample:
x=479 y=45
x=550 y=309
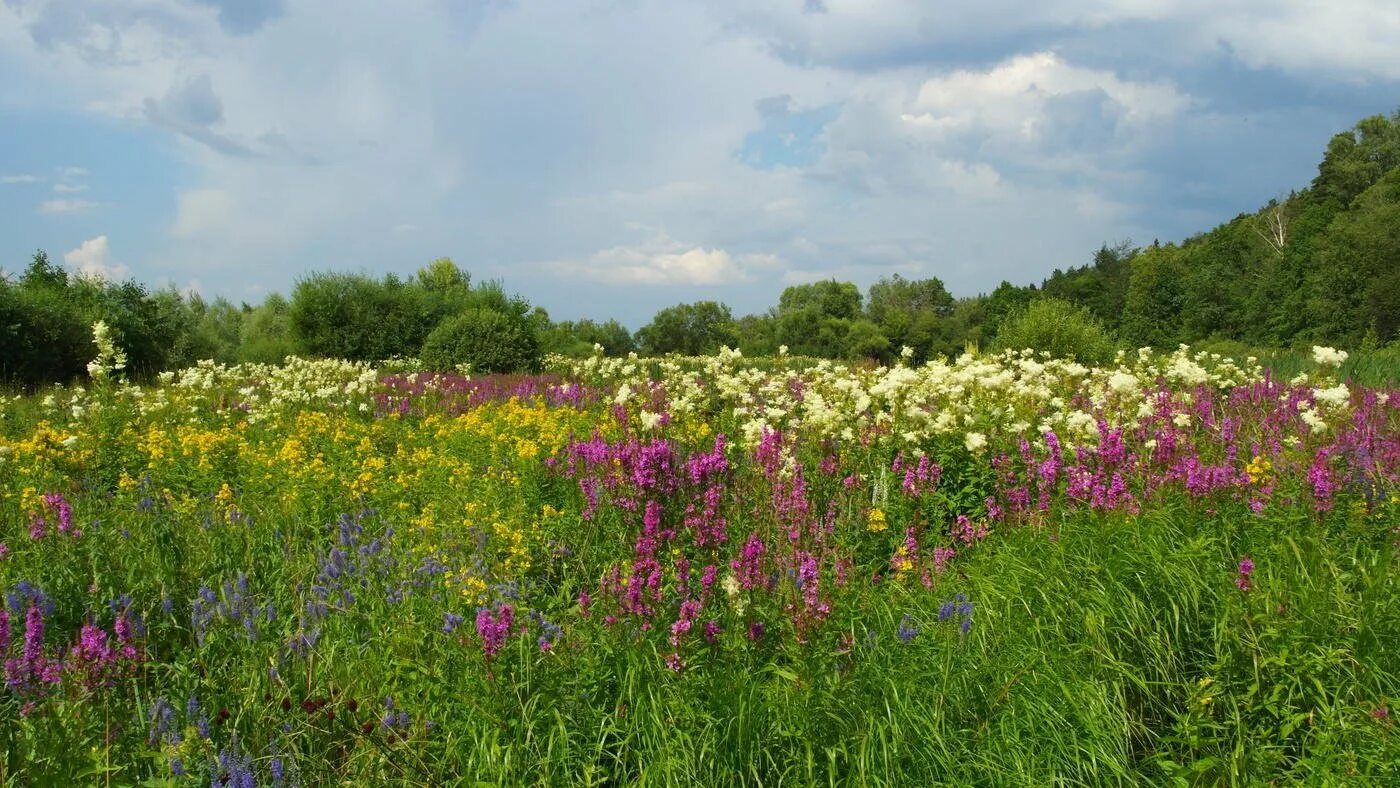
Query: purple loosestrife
x=1244 y=579
x=748 y=567
x=493 y=627
x=690 y=608
x=966 y=531
x=59 y=506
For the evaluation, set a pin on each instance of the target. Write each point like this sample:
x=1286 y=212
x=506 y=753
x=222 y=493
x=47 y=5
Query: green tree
x=690 y=329
x=910 y=313
x=487 y=340
x=1065 y=330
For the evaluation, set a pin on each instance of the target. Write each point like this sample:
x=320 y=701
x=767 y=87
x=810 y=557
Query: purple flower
x=907 y=631
x=494 y=627
x=1245 y=579
x=450 y=622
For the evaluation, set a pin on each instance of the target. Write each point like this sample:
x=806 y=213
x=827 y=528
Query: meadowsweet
x=110 y=358
x=1328 y=357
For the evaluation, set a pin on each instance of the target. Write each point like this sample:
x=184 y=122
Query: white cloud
x=664 y=261
x=69 y=188
x=1360 y=38
x=971 y=141
x=53 y=207
x=1040 y=115
x=19 y=179
x=94 y=259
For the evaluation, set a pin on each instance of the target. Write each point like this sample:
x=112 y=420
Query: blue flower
x=907 y=631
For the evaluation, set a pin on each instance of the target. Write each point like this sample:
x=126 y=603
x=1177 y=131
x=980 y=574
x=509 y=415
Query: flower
x=907 y=631
x=110 y=358
x=1244 y=580
x=975 y=441
x=1328 y=357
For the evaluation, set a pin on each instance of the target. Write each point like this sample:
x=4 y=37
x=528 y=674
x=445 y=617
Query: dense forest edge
x=1320 y=266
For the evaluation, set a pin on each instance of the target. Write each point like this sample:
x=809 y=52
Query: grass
x=1105 y=647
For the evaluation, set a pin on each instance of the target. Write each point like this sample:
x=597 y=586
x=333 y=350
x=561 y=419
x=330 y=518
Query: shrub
x=1063 y=329
x=486 y=339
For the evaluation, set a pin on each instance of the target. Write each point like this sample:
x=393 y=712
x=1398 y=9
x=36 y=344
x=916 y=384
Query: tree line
x=1321 y=265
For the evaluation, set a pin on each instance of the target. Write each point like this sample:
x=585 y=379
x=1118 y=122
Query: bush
x=486 y=339
x=1063 y=329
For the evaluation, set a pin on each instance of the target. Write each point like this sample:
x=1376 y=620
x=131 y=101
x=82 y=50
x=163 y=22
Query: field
x=1005 y=569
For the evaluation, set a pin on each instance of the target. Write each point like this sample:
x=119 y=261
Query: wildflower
x=1244 y=580
x=907 y=631
x=975 y=441
x=494 y=627
x=110 y=358
x=450 y=622
x=1328 y=357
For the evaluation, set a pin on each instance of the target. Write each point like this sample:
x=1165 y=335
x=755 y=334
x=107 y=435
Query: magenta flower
x=1244 y=580
x=494 y=627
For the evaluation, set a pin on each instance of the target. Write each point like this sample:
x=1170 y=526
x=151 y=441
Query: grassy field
x=1000 y=570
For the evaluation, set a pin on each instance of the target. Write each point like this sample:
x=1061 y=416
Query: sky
x=608 y=159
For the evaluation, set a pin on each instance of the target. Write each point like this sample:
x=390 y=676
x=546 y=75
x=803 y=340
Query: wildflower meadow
x=1174 y=568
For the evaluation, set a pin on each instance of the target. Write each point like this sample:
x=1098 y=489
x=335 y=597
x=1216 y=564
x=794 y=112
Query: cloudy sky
x=609 y=158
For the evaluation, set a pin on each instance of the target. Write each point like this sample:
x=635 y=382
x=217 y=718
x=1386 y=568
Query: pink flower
x=1244 y=579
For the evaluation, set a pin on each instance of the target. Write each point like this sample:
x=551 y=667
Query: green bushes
x=1063 y=329
x=485 y=339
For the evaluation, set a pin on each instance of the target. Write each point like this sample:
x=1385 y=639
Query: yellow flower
x=875 y=521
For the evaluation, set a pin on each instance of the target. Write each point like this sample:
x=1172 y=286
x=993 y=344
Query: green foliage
x=485 y=339
x=266 y=332
x=351 y=316
x=1063 y=329
x=909 y=313
x=689 y=329
x=577 y=338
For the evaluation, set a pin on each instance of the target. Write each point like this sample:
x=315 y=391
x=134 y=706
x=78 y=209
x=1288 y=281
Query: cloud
x=201 y=211
x=93 y=258
x=191 y=108
x=69 y=188
x=1358 y=38
x=840 y=137
x=1038 y=101
x=241 y=17
x=55 y=207
x=20 y=179
x=664 y=261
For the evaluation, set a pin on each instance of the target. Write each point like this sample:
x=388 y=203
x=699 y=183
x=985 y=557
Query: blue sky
x=606 y=159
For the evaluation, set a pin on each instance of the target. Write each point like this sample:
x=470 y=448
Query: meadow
x=1176 y=568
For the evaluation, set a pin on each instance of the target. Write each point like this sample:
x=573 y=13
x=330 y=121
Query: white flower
x=650 y=420
x=906 y=352
x=1328 y=357
x=782 y=350
x=730 y=584
x=1124 y=383
x=975 y=441
x=70 y=441
x=1337 y=396
x=110 y=358
x=1313 y=420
